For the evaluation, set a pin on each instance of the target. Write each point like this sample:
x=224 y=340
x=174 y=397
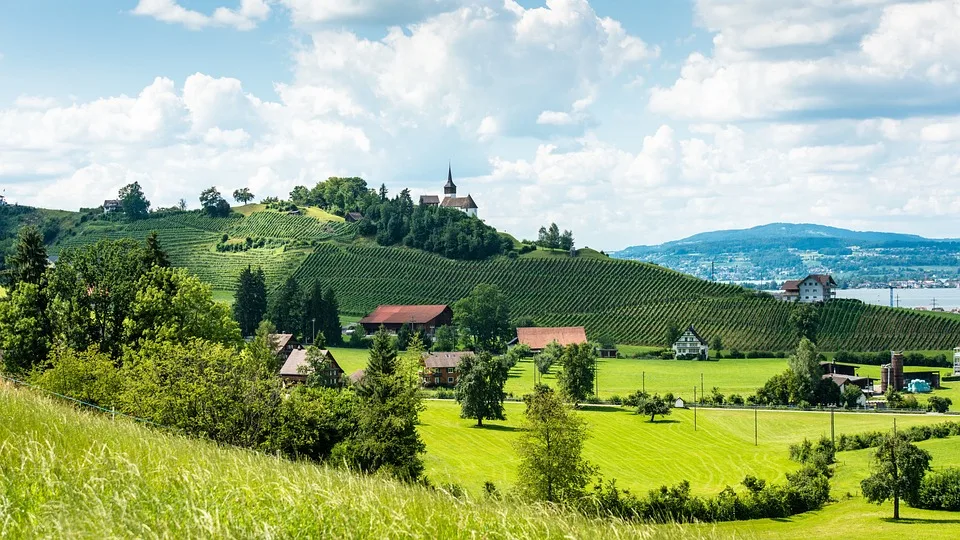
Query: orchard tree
x=552 y=467
x=243 y=196
x=445 y=339
x=805 y=319
x=479 y=389
x=484 y=316
x=716 y=343
x=805 y=364
x=576 y=378
x=653 y=406
x=898 y=468
x=133 y=202
x=939 y=404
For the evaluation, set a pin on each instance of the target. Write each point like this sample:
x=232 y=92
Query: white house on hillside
x=691 y=344
x=811 y=289
x=956 y=362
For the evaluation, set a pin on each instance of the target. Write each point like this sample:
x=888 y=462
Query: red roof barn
x=423 y=319
x=538 y=338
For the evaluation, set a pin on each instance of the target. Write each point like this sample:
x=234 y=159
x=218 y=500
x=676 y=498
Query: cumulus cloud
x=305 y=12
x=245 y=17
x=798 y=58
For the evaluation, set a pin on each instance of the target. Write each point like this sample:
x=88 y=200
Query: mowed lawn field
x=639 y=454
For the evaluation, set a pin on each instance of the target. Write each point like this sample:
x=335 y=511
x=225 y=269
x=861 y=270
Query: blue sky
x=628 y=122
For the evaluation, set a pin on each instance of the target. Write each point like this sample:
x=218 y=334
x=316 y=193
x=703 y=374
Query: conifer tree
x=155 y=256
x=332 y=331
x=29 y=262
x=250 y=301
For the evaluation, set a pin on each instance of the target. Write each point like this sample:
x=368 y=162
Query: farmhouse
x=956 y=362
x=111 y=205
x=833 y=368
x=811 y=289
x=353 y=217
x=538 y=338
x=440 y=369
x=691 y=345
x=423 y=319
x=296 y=369
x=450 y=199
x=283 y=345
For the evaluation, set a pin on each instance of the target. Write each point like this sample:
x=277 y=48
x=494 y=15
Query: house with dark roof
x=450 y=199
x=353 y=217
x=423 y=319
x=538 y=338
x=811 y=289
x=111 y=205
x=296 y=369
x=691 y=345
x=441 y=369
x=284 y=344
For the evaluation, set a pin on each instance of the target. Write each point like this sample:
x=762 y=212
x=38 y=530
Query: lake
x=910 y=298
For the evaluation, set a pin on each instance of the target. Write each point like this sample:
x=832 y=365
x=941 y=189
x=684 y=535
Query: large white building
x=811 y=289
x=450 y=199
x=691 y=344
x=956 y=362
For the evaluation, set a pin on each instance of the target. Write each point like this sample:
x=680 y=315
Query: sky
x=627 y=122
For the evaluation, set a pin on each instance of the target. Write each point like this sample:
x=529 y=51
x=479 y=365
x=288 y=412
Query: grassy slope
x=631 y=301
x=67 y=474
x=641 y=455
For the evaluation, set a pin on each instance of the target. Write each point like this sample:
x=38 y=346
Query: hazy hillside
x=632 y=302
x=780 y=251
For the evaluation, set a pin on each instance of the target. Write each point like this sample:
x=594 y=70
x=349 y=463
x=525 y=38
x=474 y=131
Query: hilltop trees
x=250 y=300
x=133 y=202
x=479 y=389
x=552 y=467
x=898 y=468
x=243 y=196
x=551 y=238
x=484 y=316
x=213 y=203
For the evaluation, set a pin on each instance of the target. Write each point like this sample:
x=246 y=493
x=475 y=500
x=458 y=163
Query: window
x=449 y=380
x=450 y=370
x=436 y=380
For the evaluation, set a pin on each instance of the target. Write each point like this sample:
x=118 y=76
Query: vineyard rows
x=633 y=302
x=274 y=225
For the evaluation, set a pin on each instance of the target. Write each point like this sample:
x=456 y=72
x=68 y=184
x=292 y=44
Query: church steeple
x=450 y=189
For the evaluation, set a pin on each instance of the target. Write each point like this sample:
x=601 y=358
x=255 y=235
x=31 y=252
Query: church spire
x=450 y=189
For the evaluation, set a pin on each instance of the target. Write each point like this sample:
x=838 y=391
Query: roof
x=429 y=199
x=693 y=330
x=357 y=375
x=404 y=314
x=354 y=215
x=111 y=202
x=280 y=341
x=450 y=183
x=444 y=359
x=823 y=279
x=298 y=360
x=459 y=202
x=539 y=338
x=840 y=380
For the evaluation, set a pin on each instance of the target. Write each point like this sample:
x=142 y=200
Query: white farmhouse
x=691 y=344
x=956 y=362
x=811 y=289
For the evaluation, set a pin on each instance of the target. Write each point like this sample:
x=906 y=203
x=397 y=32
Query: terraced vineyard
x=632 y=301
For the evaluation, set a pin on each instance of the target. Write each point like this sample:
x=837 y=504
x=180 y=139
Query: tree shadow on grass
x=921 y=521
x=664 y=421
x=495 y=427
x=600 y=408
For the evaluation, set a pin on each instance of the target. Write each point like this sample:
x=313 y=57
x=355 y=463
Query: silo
x=896 y=370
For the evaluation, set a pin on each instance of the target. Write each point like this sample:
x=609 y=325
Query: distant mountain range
x=780 y=251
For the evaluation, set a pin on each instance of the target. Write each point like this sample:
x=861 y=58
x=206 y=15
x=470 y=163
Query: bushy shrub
x=734 y=353
x=616 y=399
x=941 y=490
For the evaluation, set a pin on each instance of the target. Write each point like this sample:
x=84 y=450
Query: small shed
x=680 y=403
x=353 y=217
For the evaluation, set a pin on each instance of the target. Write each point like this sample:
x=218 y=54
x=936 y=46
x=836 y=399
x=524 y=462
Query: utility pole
x=896 y=473
x=644 y=379
x=756 y=428
x=694 y=408
x=833 y=438
x=313 y=337
x=701 y=385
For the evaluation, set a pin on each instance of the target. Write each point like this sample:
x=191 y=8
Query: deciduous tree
x=243 y=195
x=653 y=406
x=550 y=447
x=898 y=468
x=805 y=319
x=479 y=389
x=133 y=202
x=213 y=203
x=576 y=378
x=484 y=316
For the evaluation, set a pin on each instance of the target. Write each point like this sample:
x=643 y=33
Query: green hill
x=632 y=301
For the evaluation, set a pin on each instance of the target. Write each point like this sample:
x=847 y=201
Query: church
x=450 y=199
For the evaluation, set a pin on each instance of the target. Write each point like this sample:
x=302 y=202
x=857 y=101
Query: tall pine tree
x=332 y=331
x=286 y=308
x=29 y=262
x=250 y=300
x=155 y=256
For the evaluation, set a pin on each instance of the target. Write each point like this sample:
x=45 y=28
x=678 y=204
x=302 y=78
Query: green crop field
x=630 y=301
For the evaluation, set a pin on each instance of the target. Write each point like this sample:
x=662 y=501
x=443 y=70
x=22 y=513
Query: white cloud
x=822 y=57
x=381 y=11
x=245 y=17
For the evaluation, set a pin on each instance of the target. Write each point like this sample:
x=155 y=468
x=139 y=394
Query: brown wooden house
x=296 y=369
x=423 y=319
x=441 y=369
x=284 y=344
